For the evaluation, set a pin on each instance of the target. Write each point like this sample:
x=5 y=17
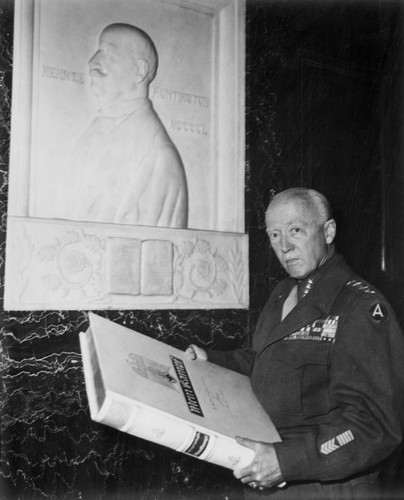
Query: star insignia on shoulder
x=361 y=286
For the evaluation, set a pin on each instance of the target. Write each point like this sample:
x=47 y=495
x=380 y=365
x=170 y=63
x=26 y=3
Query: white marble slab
x=70 y=265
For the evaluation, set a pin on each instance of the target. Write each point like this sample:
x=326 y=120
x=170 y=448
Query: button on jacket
x=330 y=375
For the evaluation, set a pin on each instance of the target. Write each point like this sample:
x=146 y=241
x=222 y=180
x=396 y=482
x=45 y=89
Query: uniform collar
x=323 y=285
x=327 y=283
x=305 y=285
x=317 y=303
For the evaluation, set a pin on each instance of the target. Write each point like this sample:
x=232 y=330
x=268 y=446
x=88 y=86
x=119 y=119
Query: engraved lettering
x=62 y=74
x=123 y=260
x=188 y=127
x=157 y=267
x=179 y=97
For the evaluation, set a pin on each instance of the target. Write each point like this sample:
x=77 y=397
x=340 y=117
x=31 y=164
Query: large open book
x=148 y=389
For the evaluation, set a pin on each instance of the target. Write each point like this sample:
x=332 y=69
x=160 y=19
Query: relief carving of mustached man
x=129 y=170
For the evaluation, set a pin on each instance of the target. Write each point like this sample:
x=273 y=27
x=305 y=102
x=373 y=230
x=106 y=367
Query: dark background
x=324 y=109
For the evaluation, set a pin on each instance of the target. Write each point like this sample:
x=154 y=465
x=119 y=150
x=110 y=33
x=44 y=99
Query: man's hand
x=264 y=471
x=194 y=352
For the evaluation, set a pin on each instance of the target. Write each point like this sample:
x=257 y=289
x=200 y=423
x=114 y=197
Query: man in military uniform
x=326 y=364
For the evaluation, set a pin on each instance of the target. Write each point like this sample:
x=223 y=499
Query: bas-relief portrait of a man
x=123 y=125
x=125 y=169
x=127 y=155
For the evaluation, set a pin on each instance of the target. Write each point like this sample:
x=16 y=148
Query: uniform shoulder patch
x=379 y=312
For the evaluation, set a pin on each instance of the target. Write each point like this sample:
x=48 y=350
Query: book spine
x=176 y=434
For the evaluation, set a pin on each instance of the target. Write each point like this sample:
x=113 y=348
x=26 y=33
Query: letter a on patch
x=378 y=312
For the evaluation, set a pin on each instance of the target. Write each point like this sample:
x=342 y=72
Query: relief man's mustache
x=97 y=72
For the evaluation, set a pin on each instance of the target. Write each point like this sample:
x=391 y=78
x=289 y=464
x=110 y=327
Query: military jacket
x=330 y=375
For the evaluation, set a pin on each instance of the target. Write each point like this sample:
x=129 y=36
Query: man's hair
x=147 y=50
x=311 y=198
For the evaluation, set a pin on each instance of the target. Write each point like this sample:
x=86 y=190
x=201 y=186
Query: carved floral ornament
x=84 y=268
x=200 y=271
x=77 y=264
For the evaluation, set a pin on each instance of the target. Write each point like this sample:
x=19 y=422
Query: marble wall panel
x=49 y=446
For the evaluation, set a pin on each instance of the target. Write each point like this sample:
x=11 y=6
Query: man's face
x=298 y=239
x=113 y=67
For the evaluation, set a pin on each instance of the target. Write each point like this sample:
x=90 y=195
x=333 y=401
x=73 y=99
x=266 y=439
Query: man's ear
x=330 y=230
x=142 y=70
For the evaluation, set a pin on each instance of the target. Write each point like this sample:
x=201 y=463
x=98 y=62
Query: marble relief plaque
x=65 y=155
x=197 y=93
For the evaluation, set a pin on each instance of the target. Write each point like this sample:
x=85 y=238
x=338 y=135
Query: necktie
x=290 y=302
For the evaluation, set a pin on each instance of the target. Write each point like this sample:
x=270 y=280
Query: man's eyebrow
x=297 y=221
x=300 y=222
x=109 y=44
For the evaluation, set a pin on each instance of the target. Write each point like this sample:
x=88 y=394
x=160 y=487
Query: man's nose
x=94 y=61
x=286 y=244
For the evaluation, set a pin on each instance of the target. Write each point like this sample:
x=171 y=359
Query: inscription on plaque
x=179 y=97
x=157 y=267
x=62 y=74
x=124 y=266
x=188 y=127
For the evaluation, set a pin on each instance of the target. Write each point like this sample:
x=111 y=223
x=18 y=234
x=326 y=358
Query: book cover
x=149 y=389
